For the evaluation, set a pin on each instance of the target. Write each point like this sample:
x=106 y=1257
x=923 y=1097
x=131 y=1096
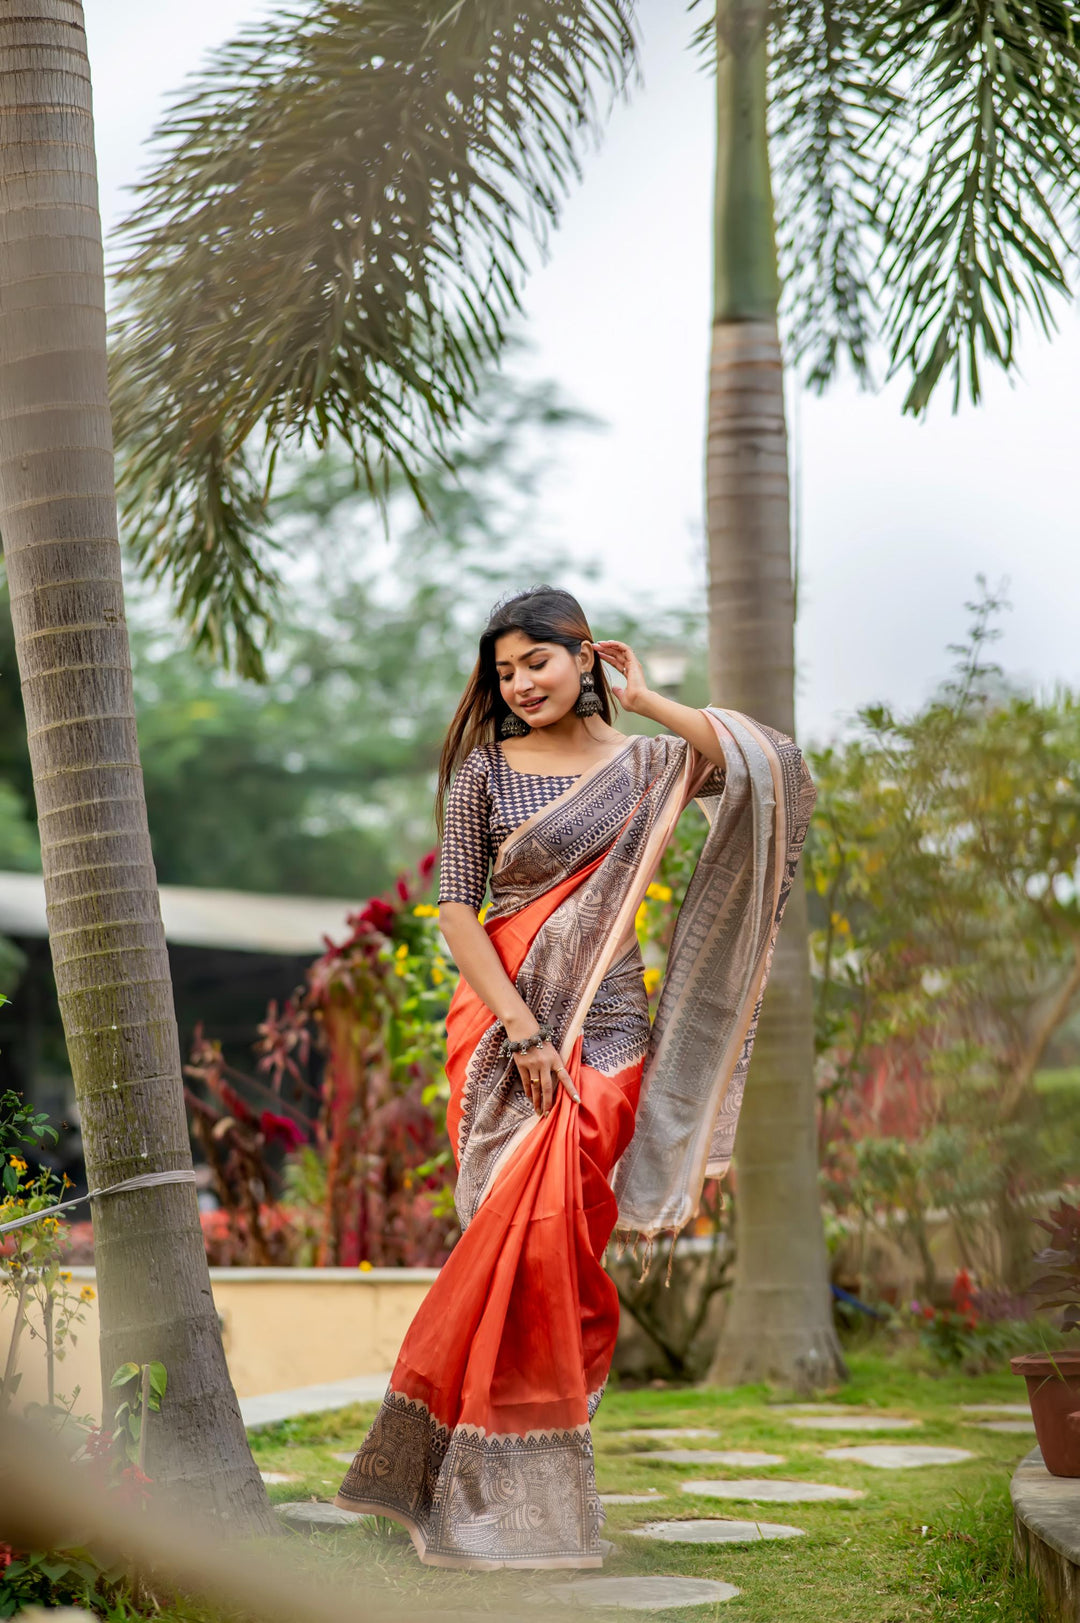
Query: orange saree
x=482 y=1446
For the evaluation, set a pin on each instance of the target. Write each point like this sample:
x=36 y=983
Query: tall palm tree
x=58 y=519
x=333 y=238
x=928 y=182
x=779 y=1323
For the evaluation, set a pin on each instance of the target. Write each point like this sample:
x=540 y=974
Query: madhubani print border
x=473 y=1499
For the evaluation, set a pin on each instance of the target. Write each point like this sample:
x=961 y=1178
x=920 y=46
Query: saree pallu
x=482 y=1446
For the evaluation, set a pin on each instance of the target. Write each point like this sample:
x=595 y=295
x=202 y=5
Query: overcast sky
x=897 y=517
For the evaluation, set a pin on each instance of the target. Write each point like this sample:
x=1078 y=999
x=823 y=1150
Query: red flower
x=928 y=1313
x=234 y=1104
x=403 y=890
x=962 y=1290
x=426 y=866
x=374 y=915
x=282 y=1129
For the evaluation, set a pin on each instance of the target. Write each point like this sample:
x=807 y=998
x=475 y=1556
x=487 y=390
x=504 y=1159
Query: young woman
x=482 y=1447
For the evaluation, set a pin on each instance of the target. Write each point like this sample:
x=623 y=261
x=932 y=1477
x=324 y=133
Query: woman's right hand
x=542 y=1071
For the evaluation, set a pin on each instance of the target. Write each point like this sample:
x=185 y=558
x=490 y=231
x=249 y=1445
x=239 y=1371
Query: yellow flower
x=424 y=910
x=17 y=1162
x=364 y=1267
x=402 y=951
x=66 y=1277
x=87 y=1293
x=652 y=980
x=659 y=893
x=640 y=918
x=437 y=975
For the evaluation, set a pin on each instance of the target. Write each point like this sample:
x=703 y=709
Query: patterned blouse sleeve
x=466 y=846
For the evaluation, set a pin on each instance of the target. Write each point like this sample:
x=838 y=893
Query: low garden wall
x=282 y=1328
x=1046 y=1534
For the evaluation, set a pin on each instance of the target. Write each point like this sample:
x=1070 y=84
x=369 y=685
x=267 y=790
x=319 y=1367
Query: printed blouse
x=488 y=800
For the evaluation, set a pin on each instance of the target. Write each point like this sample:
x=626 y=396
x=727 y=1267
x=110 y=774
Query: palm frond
x=981 y=236
x=329 y=248
x=828 y=104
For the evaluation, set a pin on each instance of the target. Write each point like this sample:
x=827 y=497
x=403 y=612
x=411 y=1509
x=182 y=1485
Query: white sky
x=897 y=517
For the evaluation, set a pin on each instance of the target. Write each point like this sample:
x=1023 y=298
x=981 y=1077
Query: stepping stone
x=855 y=1422
x=272 y=1478
x=642 y=1594
x=346 y=1459
x=1026 y=1426
x=899 y=1456
x=710 y=1456
x=812 y=1408
x=764 y=1490
x=312 y=1516
x=995 y=1408
x=716 y=1531
x=663 y=1433
x=649 y=1498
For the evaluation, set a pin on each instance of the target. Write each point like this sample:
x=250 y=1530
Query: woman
x=482 y=1447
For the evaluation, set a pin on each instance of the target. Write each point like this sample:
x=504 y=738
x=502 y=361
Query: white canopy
x=236 y=919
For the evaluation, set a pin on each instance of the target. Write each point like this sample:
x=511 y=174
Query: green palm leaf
x=981 y=219
x=329 y=248
x=829 y=100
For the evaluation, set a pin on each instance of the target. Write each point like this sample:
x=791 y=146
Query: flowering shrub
x=351 y=1072
x=31 y=1258
x=971 y=1334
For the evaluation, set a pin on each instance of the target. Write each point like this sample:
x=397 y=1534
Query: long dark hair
x=544 y=613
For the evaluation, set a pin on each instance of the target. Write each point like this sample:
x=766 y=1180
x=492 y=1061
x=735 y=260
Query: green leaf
x=158 y=1379
x=126 y=1372
x=361 y=303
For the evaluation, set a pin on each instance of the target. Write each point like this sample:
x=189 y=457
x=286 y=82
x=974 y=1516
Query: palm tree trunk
x=779 y=1324
x=58 y=520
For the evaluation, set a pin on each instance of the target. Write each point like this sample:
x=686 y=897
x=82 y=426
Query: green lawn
x=931 y=1543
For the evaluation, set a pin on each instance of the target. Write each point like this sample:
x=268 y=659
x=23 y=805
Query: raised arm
x=640 y=700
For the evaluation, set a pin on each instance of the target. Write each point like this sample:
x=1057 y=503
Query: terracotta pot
x=1053 y=1385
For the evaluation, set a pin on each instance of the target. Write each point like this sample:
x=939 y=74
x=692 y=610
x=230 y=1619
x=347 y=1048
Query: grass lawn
x=928 y=1543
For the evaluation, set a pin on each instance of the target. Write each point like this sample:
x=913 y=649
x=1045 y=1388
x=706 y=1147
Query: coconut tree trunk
x=58 y=520
x=779 y=1324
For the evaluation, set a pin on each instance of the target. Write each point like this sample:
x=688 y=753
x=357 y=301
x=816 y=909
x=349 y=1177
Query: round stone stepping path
x=649 y=1498
x=273 y=1478
x=642 y=1594
x=716 y=1530
x=663 y=1434
x=765 y=1490
x=710 y=1456
x=855 y=1422
x=1026 y=1426
x=995 y=1408
x=346 y=1459
x=899 y=1456
x=312 y=1516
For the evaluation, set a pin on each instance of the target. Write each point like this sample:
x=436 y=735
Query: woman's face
x=540 y=681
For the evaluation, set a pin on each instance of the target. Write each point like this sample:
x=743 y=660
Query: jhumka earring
x=513 y=726
x=589 y=703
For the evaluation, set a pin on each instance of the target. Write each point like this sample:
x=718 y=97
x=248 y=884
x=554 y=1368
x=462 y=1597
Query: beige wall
x=282 y=1328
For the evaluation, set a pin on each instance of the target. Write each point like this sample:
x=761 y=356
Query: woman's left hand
x=623 y=659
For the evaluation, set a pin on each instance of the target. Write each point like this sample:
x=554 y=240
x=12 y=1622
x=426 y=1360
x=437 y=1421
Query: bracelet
x=543 y=1034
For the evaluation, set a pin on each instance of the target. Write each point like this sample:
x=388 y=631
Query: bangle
x=543 y=1034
